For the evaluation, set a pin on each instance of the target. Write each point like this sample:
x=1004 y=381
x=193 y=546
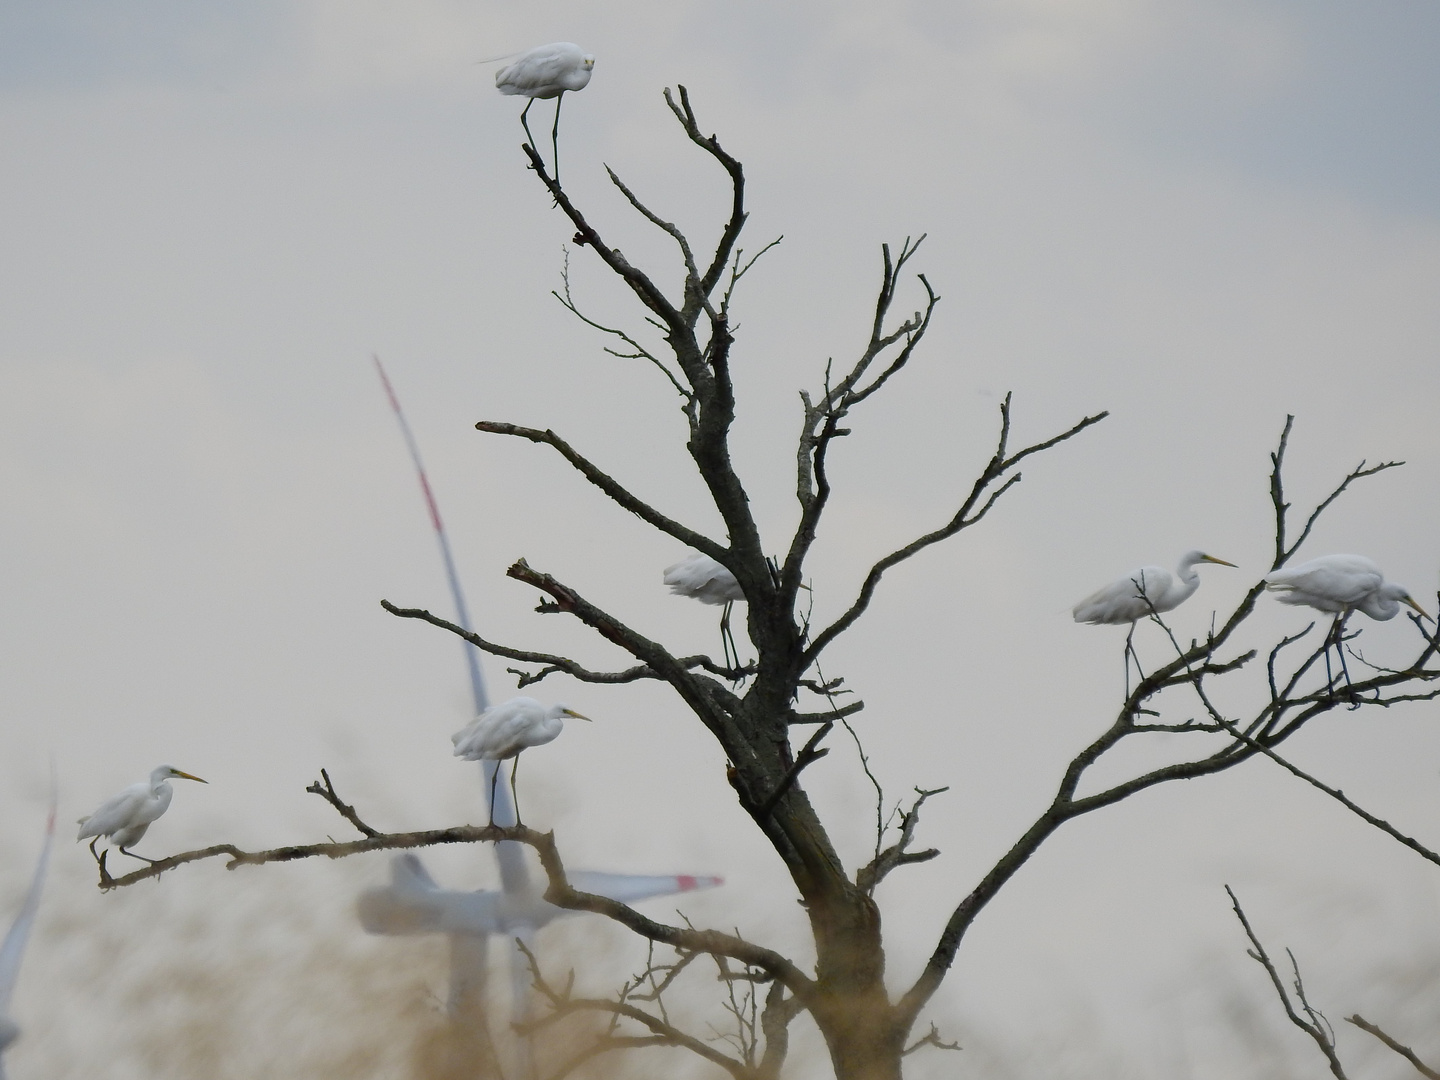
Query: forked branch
x=553 y=664
x=559 y=892
x=899 y=853
x=663 y=1033
x=971 y=511
x=1313 y=1022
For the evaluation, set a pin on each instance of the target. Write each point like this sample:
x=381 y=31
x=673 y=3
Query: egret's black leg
x=1130 y=654
x=495 y=776
x=555 y=137
x=1344 y=668
x=528 y=137
x=514 y=795
x=1329 y=675
x=142 y=858
x=727 y=639
x=93 y=842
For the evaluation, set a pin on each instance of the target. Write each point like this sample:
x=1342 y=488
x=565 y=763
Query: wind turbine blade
x=472 y=662
x=514 y=874
x=13 y=948
x=469 y=967
x=631 y=887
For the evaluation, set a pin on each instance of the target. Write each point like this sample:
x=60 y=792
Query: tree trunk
x=853 y=1010
x=861 y=1032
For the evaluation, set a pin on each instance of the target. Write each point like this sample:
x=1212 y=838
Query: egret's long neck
x=1186 y=582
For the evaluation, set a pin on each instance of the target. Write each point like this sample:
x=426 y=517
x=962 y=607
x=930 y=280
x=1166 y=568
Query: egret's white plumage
x=1339 y=584
x=546 y=71
x=503 y=731
x=702 y=578
x=13 y=947
x=1132 y=597
x=123 y=818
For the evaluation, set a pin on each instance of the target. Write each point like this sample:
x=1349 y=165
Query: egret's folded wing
x=628 y=888
x=114 y=813
x=14 y=945
x=1341 y=584
x=538 y=68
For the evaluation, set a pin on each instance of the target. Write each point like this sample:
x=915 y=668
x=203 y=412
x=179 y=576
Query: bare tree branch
x=663 y=1032
x=932 y=1038
x=1280 y=718
x=560 y=892
x=1277 y=496
x=600 y=479
x=459 y=834
x=345 y=810
x=1313 y=1023
x=560 y=665
x=686 y=115
x=966 y=516
x=807 y=756
x=1338 y=795
x=711 y=702
x=897 y=854
x=1404 y=1051
x=638 y=351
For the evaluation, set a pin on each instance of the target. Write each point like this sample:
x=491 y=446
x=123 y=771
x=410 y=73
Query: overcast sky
x=1201 y=216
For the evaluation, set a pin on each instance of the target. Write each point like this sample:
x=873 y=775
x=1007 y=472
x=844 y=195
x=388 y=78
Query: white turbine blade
x=631 y=887
x=395 y=911
x=414 y=904
x=469 y=971
x=13 y=948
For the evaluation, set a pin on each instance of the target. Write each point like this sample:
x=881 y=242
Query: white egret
x=702 y=578
x=13 y=947
x=546 y=71
x=1338 y=585
x=123 y=818
x=1148 y=590
x=505 y=730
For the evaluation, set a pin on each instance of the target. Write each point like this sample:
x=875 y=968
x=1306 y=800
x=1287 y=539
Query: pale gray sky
x=1200 y=216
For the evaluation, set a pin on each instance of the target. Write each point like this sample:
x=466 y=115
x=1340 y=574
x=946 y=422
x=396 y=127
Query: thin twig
x=1313 y=1023
x=932 y=1038
x=1404 y=1051
x=327 y=792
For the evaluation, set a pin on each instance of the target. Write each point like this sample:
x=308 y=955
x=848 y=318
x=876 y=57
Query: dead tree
x=754 y=711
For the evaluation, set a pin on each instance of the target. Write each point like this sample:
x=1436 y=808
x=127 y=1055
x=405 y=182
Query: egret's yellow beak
x=187 y=776
x=1423 y=613
x=577 y=716
x=1217 y=562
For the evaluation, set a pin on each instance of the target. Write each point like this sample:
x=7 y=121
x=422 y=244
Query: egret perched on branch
x=1340 y=584
x=1146 y=591
x=702 y=578
x=123 y=818
x=503 y=731
x=546 y=71
x=13 y=948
